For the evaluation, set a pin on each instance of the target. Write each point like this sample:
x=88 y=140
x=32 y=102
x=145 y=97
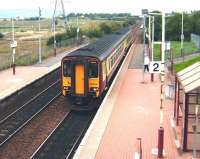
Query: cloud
x=105 y=6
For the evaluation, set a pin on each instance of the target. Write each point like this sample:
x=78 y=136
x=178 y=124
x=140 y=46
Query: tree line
x=96 y=30
x=173 y=25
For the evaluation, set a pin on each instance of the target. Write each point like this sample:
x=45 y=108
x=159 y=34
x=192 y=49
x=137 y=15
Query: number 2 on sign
x=155 y=67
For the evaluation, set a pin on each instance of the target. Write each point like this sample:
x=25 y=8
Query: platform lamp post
x=13 y=45
x=54 y=35
x=40 y=47
x=77 y=31
x=182 y=37
x=144 y=13
x=151 y=39
x=152 y=45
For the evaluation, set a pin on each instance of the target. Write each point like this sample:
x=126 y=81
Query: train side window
x=67 y=68
x=93 y=70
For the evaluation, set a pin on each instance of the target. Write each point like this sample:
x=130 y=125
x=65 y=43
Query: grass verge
x=188 y=48
x=181 y=66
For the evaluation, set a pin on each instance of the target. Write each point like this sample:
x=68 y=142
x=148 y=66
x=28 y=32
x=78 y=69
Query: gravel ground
x=30 y=137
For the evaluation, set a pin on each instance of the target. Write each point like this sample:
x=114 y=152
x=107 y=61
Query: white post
x=13 y=48
x=40 y=49
x=152 y=43
x=144 y=36
x=149 y=30
x=54 y=35
x=77 y=32
x=182 y=37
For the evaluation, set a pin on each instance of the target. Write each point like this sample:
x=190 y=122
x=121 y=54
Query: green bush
x=70 y=33
x=94 y=33
x=115 y=26
x=128 y=22
x=1 y=35
x=105 y=28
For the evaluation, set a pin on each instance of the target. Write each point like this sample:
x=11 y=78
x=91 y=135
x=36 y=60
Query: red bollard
x=139 y=148
x=54 y=51
x=152 y=77
x=13 y=69
x=160 y=142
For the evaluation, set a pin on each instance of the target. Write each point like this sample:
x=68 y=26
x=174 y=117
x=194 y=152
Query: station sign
x=168 y=46
x=156 y=67
x=13 y=44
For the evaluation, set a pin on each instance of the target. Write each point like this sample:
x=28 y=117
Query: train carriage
x=87 y=71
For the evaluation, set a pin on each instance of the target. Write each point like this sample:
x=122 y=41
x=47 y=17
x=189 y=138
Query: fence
x=195 y=39
x=27 y=51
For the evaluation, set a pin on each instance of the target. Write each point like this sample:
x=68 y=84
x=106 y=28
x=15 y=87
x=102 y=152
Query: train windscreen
x=93 y=70
x=67 y=68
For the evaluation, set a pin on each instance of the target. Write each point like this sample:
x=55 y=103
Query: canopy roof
x=190 y=77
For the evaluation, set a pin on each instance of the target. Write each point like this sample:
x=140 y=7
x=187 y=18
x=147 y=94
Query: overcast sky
x=101 y=6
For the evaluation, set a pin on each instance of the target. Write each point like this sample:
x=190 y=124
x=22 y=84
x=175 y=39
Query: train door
x=79 y=79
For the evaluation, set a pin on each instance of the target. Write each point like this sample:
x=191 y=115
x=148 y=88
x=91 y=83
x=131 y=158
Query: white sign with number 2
x=155 y=67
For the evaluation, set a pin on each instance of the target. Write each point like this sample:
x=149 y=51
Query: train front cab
x=80 y=80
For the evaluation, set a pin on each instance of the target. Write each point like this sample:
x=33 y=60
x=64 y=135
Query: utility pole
x=182 y=37
x=54 y=28
x=77 y=32
x=64 y=16
x=54 y=35
x=152 y=43
x=13 y=46
x=40 y=48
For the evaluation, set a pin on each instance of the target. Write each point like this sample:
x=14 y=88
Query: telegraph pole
x=152 y=43
x=54 y=35
x=54 y=28
x=13 y=46
x=77 y=32
x=182 y=37
x=40 y=49
x=64 y=16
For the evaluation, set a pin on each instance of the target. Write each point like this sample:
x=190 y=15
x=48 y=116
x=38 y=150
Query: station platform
x=25 y=75
x=129 y=111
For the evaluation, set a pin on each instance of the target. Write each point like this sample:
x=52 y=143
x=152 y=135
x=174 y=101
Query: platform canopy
x=189 y=77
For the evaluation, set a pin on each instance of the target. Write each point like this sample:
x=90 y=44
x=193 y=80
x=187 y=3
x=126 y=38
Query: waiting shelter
x=187 y=106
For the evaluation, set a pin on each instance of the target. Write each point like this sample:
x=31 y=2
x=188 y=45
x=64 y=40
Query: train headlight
x=67 y=88
x=94 y=89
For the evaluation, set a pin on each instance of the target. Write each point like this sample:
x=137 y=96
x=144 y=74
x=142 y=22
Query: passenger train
x=87 y=72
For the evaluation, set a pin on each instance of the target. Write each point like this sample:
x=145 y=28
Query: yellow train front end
x=80 y=80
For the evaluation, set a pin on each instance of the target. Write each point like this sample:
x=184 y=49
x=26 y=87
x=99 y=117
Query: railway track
x=65 y=138
x=19 y=98
x=10 y=125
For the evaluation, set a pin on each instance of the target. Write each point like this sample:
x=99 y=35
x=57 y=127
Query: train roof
x=103 y=46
